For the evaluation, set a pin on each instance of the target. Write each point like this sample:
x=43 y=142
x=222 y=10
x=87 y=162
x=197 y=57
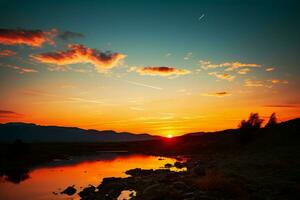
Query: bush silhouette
x=272 y=121
x=249 y=127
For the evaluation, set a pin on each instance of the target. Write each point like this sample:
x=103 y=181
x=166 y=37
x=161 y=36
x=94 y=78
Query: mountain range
x=28 y=132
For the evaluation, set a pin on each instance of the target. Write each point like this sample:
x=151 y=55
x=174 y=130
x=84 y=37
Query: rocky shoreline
x=200 y=180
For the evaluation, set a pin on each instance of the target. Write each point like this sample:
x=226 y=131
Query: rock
x=111 y=184
x=87 y=192
x=179 y=165
x=69 y=190
x=168 y=165
x=139 y=172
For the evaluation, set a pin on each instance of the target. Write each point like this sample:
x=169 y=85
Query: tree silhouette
x=249 y=127
x=254 y=122
x=272 y=121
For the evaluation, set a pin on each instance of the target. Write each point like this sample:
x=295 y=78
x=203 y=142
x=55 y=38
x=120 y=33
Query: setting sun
x=169 y=136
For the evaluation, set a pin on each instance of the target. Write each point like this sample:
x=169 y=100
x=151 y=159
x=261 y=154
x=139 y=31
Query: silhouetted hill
x=35 y=133
x=283 y=133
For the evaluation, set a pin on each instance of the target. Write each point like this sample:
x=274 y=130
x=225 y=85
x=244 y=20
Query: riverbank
x=211 y=177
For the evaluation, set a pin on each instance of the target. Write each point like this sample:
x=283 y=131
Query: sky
x=158 y=67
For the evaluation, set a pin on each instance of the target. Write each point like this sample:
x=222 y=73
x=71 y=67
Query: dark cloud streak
x=68 y=35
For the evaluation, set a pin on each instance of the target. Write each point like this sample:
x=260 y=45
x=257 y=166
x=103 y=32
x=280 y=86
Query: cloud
x=68 y=35
x=230 y=66
x=38 y=93
x=7 y=53
x=58 y=68
x=143 y=85
x=281 y=106
x=21 y=70
x=216 y=94
x=251 y=83
x=80 y=54
x=188 y=56
x=275 y=81
x=76 y=99
x=244 y=71
x=264 y=83
x=33 y=38
x=270 y=69
x=137 y=108
x=160 y=71
x=168 y=55
x=223 y=76
x=8 y=113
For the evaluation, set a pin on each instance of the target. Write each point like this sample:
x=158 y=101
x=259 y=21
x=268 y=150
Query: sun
x=169 y=136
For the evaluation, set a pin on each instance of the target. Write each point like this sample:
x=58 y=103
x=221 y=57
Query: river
x=47 y=181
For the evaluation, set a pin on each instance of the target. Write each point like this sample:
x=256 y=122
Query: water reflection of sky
x=79 y=171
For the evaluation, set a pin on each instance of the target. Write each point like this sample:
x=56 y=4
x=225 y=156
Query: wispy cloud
x=244 y=71
x=216 y=94
x=281 y=106
x=80 y=54
x=137 y=108
x=21 y=70
x=33 y=38
x=77 y=99
x=223 y=76
x=263 y=83
x=38 y=93
x=168 y=55
x=160 y=71
x=275 y=81
x=253 y=83
x=7 y=53
x=270 y=69
x=143 y=85
x=68 y=35
x=188 y=56
x=8 y=114
x=230 y=66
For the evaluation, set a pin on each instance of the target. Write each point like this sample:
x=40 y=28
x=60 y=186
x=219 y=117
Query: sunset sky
x=161 y=67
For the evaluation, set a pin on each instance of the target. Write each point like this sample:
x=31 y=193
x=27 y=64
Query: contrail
x=201 y=17
x=144 y=85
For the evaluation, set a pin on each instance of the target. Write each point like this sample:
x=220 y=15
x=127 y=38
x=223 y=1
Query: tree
x=254 y=122
x=249 y=127
x=272 y=121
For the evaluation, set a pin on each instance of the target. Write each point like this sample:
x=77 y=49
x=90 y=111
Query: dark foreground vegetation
x=246 y=163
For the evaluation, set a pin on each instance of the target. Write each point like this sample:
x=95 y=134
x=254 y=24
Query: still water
x=45 y=182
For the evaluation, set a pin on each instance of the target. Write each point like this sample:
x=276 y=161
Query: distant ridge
x=29 y=132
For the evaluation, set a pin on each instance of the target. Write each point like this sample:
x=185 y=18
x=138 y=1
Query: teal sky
x=177 y=34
